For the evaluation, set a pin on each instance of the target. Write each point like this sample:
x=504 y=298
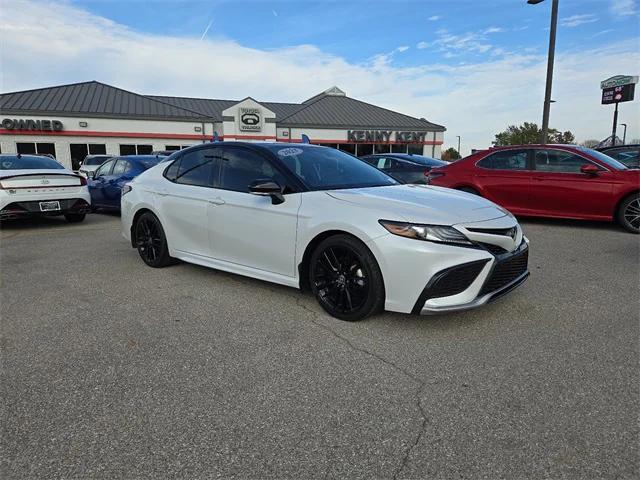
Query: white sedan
x=313 y=217
x=34 y=185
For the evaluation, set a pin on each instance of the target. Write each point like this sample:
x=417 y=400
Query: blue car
x=105 y=184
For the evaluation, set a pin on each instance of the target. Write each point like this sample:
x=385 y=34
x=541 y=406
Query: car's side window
x=506 y=160
x=121 y=167
x=240 y=167
x=198 y=168
x=105 y=169
x=383 y=163
x=625 y=156
x=559 y=161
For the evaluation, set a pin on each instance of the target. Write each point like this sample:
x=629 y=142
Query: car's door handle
x=217 y=201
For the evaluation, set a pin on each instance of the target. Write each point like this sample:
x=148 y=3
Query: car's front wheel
x=346 y=279
x=629 y=213
x=151 y=241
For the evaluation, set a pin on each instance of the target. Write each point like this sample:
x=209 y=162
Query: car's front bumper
x=507 y=272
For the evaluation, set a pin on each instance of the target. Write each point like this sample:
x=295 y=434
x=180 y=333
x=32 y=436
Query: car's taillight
x=426 y=172
x=83 y=180
x=125 y=189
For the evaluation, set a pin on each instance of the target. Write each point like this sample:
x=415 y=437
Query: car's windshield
x=321 y=168
x=30 y=162
x=96 y=160
x=606 y=159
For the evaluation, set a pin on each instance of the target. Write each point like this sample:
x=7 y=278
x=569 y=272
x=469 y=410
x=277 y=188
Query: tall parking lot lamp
x=550 y=58
x=624 y=135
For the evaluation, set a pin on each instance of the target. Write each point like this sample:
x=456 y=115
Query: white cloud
x=435 y=18
x=402 y=48
x=474 y=100
x=623 y=8
x=422 y=45
x=493 y=30
x=576 y=20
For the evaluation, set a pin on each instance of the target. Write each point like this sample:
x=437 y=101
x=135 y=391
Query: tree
x=450 y=154
x=529 y=133
x=590 y=143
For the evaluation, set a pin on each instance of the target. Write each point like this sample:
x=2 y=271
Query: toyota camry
x=316 y=218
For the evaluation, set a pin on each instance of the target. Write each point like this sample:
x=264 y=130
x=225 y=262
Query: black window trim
x=113 y=160
x=184 y=152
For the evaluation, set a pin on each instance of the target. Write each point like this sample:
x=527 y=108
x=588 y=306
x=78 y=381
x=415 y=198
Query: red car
x=562 y=181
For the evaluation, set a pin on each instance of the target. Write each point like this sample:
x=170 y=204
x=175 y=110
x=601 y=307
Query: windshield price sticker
x=290 y=152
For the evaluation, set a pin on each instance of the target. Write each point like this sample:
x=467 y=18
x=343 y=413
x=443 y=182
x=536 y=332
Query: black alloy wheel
x=345 y=278
x=151 y=241
x=629 y=213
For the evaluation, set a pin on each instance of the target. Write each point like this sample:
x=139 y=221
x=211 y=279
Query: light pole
x=459 y=146
x=550 y=58
x=624 y=134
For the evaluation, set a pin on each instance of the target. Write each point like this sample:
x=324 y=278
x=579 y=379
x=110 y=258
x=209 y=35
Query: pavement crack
x=418 y=393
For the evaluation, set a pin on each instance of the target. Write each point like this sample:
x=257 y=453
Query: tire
x=469 y=190
x=74 y=217
x=628 y=214
x=345 y=278
x=151 y=241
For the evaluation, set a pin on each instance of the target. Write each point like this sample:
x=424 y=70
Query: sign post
x=617 y=89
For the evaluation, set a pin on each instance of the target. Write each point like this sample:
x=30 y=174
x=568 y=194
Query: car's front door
x=560 y=189
x=112 y=188
x=99 y=183
x=248 y=229
x=505 y=177
x=184 y=200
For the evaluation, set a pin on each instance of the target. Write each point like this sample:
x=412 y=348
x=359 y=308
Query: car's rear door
x=99 y=182
x=505 y=178
x=249 y=230
x=185 y=199
x=560 y=189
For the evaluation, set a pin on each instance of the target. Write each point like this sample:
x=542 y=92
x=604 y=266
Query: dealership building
x=71 y=121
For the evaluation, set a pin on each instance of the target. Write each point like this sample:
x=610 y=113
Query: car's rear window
x=28 y=162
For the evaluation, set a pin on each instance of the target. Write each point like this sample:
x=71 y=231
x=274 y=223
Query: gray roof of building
x=95 y=99
x=91 y=99
x=335 y=111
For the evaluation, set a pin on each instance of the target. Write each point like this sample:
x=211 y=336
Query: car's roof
x=26 y=155
x=140 y=157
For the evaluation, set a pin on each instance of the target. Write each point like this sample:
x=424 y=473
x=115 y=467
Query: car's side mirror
x=589 y=169
x=91 y=175
x=267 y=188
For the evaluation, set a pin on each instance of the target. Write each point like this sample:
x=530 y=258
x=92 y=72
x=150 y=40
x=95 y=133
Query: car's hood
x=422 y=204
x=34 y=171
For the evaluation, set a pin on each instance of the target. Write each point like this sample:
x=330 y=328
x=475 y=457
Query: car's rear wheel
x=345 y=278
x=469 y=190
x=151 y=241
x=74 y=217
x=629 y=213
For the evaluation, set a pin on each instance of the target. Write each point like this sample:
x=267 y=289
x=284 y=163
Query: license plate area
x=49 y=206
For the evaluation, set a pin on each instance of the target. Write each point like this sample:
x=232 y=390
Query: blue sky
x=359 y=30
x=474 y=66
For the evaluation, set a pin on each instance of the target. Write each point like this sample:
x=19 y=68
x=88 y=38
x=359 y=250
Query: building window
x=365 y=149
x=40 y=148
x=175 y=148
x=79 y=151
x=348 y=147
x=129 y=149
x=416 y=149
x=382 y=148
x=399 y=148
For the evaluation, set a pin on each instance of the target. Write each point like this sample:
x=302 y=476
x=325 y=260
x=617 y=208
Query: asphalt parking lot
x=112 y=369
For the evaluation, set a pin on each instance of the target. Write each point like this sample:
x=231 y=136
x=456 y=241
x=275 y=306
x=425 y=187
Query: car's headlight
x=431 y=233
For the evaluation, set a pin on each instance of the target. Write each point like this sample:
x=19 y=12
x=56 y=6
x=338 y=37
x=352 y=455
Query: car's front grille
x=495 y=249
x=454 y=280
x=506 y=271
